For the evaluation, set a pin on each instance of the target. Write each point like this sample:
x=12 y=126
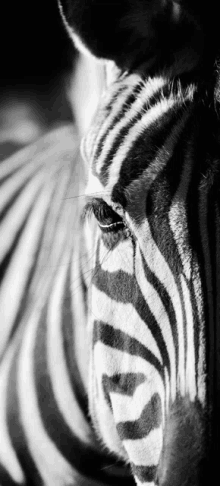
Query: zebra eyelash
x=87 y=211
x=108 y=220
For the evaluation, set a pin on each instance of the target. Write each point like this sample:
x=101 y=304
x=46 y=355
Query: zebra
x=109 y=301
x=153 y=157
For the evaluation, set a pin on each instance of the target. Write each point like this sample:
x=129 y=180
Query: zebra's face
x=151 y=191
x=147 y=366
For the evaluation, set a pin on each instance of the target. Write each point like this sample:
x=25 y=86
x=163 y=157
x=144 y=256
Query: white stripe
x=120 y=258
x=201 y=368
x=190 y=351
x=146 y=451
x=167 y=390
x=81 y=340
x=8 y=456
x=203 y=230
x=94 y=187
x=178 y=217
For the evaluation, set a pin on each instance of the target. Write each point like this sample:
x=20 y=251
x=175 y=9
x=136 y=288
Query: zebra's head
x=153 y=191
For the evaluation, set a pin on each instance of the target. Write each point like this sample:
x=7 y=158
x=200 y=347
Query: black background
x=36 y=67
x=34 y=45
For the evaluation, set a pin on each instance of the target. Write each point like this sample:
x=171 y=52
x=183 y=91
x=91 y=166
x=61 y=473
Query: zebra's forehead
x=103 y=148
x=133 y=135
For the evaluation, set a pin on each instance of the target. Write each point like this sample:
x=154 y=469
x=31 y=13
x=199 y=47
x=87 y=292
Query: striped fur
x=110 y=338
x=153 y=155
x=109 y=346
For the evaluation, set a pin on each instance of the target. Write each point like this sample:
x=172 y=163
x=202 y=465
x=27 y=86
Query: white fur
x=8 y=456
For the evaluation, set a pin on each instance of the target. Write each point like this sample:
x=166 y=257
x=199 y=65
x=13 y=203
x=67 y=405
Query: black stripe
x=123 y=383
x=69 y=345
x=145 y=473
x=117 y=339
x=15 y=428
x=150 y=419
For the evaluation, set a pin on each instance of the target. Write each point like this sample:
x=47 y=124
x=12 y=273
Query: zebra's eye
x=108 y=220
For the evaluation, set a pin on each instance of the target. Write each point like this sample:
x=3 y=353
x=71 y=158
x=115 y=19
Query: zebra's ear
x=157 y=34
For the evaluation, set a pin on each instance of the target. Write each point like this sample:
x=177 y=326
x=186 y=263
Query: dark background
x=36 y=62
x=34 y=45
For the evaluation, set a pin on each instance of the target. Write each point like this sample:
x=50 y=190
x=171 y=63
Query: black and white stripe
x=109 y=350
x=108 y=327
x=152 y=154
